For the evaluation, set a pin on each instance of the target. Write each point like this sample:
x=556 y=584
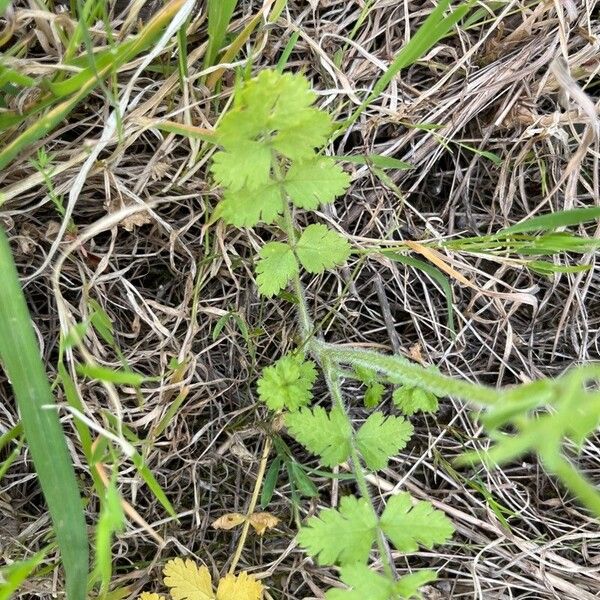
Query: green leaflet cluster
x=268 y=168
x=269 y=160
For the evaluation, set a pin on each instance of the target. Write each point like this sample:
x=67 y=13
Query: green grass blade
x=219 y=17
x=563 y=218
x=45 y=438
x=434 y=28
x=84 y=82
x=15 y=574
x=435 y=274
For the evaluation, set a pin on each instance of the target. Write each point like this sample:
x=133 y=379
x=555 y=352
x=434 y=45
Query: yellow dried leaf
x=240 y=587
x=149 y=596
x=188 y=581
x=263 y=521
x=229 y=521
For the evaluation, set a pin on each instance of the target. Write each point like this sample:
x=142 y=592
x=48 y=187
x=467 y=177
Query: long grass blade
x=82 y=84
x=45 y=438
x=219 y=17
x=434 y=28
x=563 y=218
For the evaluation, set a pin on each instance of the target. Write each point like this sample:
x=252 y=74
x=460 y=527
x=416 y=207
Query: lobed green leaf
x=411 y=399
x=247 y=166
x=380 y=438
x=342 y=536
x=327 y=434
x=319 y=248
x=287 y=383
x=275 y=267
x=247 y=208
x=409 y=526
x=314 y=182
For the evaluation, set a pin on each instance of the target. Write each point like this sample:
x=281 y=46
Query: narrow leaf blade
x=45 y=438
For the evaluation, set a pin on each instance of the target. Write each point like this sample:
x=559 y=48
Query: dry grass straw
x=165 y=279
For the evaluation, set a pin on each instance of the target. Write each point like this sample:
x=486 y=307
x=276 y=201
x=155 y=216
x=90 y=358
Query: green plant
x=269 y=170
x=21 y=360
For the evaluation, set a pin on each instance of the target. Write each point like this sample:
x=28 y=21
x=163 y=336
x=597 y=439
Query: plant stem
x=306 y=325
x=333 y=384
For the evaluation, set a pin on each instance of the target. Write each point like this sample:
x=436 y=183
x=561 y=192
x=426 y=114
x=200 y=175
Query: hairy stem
x=333 y=384
x=288 y=220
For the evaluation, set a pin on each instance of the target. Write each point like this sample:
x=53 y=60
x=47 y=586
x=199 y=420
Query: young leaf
x=319 y=248
x=342 y=536
x=410 y=400
x=187 y=581
x=297 y=141
x=276 y=266
x=327 y=434
x=276 y=109
x=287 y=383
x=407 y=526
x=409 y=585
x=375 y=389
x=247 y=208
x=374 y=394
x=380 y=438
x=239 y=587
x=314 y=182
x=248 y=166
x=150 y=596
x=279 y=98
x=365 y=583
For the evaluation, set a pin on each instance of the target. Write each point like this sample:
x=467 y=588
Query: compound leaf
x=342 y=536
x=247 y=208
x=314 y=182
x=410 y=400
x=276 y=266
x=248 y=165
x=320 y=248
x=327 y=434
x=407 y=526
x=364 y=582
x=379 y=438
x=287 y=383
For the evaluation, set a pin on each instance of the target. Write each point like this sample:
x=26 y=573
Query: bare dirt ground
x=165 y=280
